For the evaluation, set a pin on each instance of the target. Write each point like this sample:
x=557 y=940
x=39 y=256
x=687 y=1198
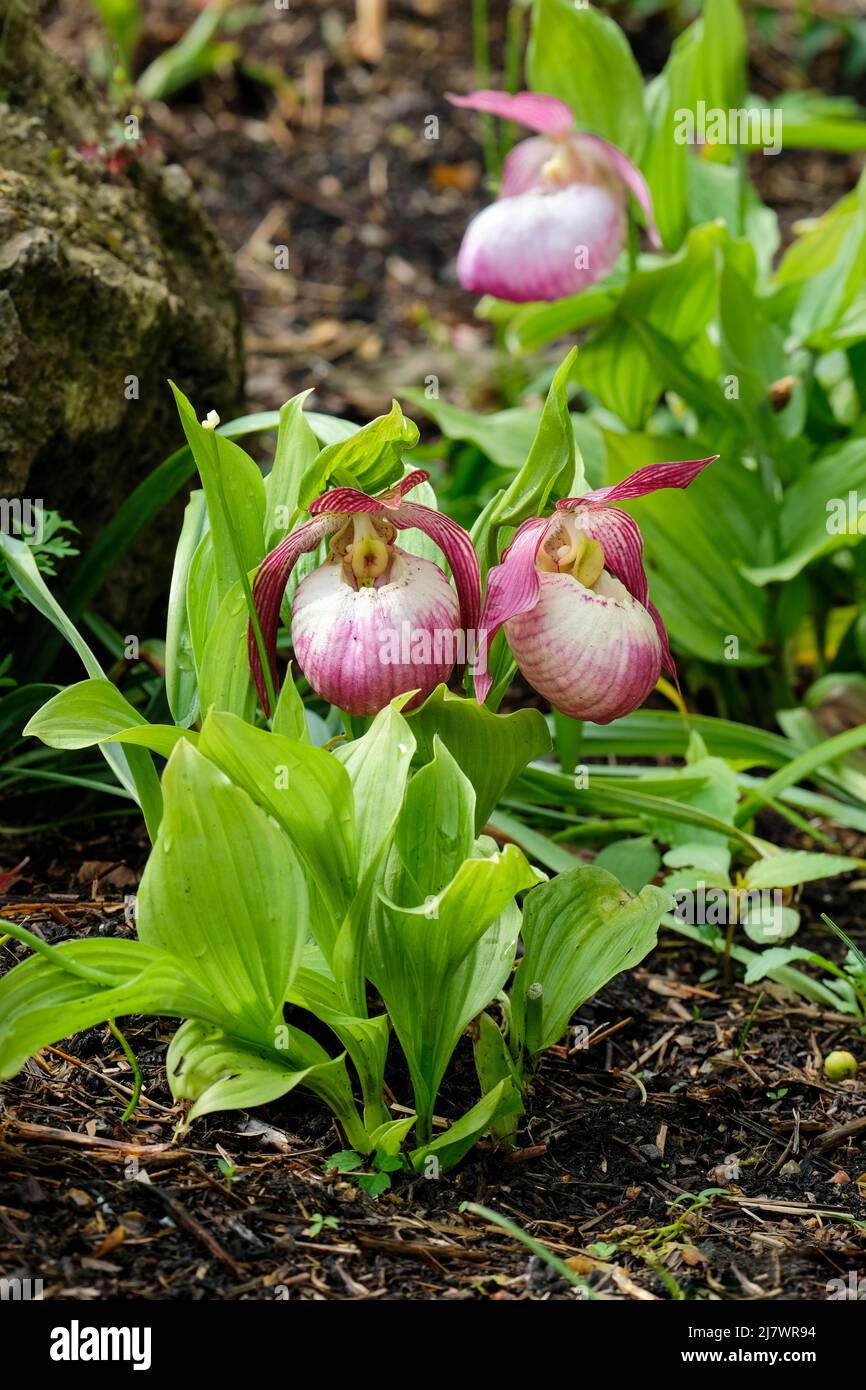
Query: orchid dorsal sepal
x=572 y=594
x=372 y=620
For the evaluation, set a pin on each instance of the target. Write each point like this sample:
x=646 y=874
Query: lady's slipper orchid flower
x=559 y=222
x=572 y=594
x=372 y=621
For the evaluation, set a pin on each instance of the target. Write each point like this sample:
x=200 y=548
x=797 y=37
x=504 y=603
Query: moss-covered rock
x=111 y=281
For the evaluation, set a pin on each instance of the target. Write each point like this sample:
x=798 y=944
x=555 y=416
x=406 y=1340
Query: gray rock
x=111 y=281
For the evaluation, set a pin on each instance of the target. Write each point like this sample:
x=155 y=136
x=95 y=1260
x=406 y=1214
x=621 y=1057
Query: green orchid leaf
x=304 y=788
x=365 y=1039
x=579 y=930
x=290 y=717
x=235 y=493
x=135 y=771
x=225 y=681
x=45 y=999
x=552 y=463
x=295 y=454
x=791 y=867
x=425 y=965
x=581 y=55
x=634 y=862
x=388 y=1137
x=447 y=1149
x=224 y=892
x=436 y=826
x=202 y=599
x=490 y=748
x=216 y=1071
x=493 y=1064
x=159 y=738
x=181 y=685
x=378 y=767
x=370 y=458
x=83 y=714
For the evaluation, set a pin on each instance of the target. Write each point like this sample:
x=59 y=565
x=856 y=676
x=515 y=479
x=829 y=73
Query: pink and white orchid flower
x=559 y=222
x=372 y=621
x=572 y=594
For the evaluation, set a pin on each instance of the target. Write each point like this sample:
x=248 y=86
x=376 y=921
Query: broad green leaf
x=634 y=862
x=491 y=749
x=435 y=829
x=289 y=715
x=306 y=791
x=724 y=53
x=180 y=668
x=532 y=326
x=370 y=458
x=159 y=738
x=752 y=351
x=416 y=951
x=582 y=56
x=666 y=159
x=43 y=1001
x=552 y=463
x=217 y=1071
x=235 y=493
x=224 y=893
x=791 y=867
x=365 y=1039
x=768 y=924
x=505 y=436
x=388 y=1138
x=493 y=1064
x=448 y=1148
x=717 y=795
x=814 y=121
x=827 y=293
x=225 y=681
x=378 y=766
x=134 y=772
x=579 y=931
x=83 y=714
x=296 y=452
x=815 y=516
x=202 y=600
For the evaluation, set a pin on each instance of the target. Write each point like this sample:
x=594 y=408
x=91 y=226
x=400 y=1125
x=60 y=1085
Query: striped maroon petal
x=512 y=588
x=269 y=586
x=649 y=479
x=458 y=550
x=352 y=499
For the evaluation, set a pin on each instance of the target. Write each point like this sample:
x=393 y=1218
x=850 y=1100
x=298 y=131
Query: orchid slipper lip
x=372 y=621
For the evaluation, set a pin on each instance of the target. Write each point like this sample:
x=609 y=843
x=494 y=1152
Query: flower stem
x=56 y=957
x=245 y=582
x=481 y=60
x=136 y=1070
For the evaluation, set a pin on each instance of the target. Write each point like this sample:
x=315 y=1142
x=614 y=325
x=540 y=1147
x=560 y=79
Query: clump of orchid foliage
x=304 y=876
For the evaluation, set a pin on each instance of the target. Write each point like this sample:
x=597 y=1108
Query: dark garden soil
x=684 y=1086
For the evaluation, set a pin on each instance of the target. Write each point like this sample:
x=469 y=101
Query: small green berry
x=839 y=1066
